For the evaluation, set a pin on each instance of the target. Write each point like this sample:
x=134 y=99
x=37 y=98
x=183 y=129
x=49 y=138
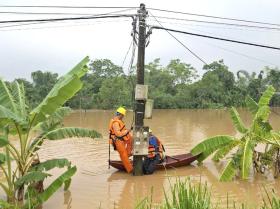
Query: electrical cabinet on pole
x=140 y=145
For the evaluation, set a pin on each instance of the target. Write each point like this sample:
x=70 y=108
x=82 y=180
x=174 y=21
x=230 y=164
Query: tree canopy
x=175 y=85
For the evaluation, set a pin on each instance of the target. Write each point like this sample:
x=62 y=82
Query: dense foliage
x=176 y=85
x=241 y=150
x=20 y=165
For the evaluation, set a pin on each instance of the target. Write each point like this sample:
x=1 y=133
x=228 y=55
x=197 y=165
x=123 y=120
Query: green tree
x=42 y=84
x=114 y=92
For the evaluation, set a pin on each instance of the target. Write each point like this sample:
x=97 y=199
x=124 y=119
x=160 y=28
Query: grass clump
x=187 y=195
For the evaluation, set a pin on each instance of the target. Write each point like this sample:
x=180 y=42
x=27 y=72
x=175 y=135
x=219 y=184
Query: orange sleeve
x=117 y=131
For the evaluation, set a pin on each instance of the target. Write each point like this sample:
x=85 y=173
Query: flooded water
x=94 y=185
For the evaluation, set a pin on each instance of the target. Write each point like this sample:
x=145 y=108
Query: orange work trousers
x=124 y=147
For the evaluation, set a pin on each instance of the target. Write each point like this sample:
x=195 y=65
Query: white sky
x=57 y=49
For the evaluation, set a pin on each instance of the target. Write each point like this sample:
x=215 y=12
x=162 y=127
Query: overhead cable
x=220 y=23
x=217 y=38
x=194 y=54
x=216 y=17
x=59 y=26
x=24 y=24
x=66 y=7
x=59 y=13
x=127 y=53
x=65 y=19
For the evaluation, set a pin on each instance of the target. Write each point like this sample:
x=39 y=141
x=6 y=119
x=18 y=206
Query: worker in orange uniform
x=121 y=138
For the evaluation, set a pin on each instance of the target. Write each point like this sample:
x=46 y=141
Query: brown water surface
x=95 y=185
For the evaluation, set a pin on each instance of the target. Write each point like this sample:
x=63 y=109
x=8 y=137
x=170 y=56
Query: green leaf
x=5 y=113
x=239 y=125
x=69 y=132
x=251 y=105
x=2 y=158
x=19 y=95
x=53 y=187
x=6 y=98
x=246 y=159
x=6 y=205
x=210 y=145
x=33 y=176
x=228 y=172
x=223 y=151
x=67 y=184
x=263 y=113
x=64 y=89
x=267 y=95
x=50 y=164
x=3 y=141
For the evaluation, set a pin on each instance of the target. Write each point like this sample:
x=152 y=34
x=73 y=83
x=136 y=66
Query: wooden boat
x=170 y=162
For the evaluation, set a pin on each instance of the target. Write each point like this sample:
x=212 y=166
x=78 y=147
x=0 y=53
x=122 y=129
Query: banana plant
x=32 y=128
x=240 y=151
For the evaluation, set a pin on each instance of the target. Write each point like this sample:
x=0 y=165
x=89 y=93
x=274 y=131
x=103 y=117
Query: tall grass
x=187 y=195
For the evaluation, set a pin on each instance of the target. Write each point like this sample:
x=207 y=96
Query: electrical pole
x=140 y=104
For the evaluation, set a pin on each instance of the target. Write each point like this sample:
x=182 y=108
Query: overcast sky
x=57 y=47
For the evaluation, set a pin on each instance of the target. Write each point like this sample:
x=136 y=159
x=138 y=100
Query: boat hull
x=174 y=161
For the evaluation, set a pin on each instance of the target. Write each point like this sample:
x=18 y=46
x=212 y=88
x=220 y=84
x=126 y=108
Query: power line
x=65 y=7
x=235 y=52
x=127 y=53
x=65 y=19
x=215 y=17
x=241 y=54
x=219 y=23
x=211 y=26
x=60 y=26
x=217 y=38
x=59 y=13
x=24 y=24
x=194 y=54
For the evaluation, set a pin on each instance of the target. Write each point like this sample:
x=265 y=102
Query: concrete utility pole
x=140 y=104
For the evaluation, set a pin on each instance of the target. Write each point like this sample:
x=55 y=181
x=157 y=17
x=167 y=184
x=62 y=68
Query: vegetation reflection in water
x=23 y=184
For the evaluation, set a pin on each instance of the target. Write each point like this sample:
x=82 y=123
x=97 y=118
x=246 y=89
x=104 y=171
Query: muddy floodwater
x=94 y=185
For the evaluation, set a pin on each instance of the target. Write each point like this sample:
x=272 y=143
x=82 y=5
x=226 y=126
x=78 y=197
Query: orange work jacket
x=122 y=135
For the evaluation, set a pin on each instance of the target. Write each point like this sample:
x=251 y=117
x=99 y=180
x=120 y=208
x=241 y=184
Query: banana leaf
x=228 y=172
x=210 y=145
x=2 y=158
x=10 y=116
x=52 y=188
x=246 y=159
x=251 y=105
x=3 y=141
x=6 y=98
x=237 y=122
x=267 y=95
x=19 y=96
x=223 y=151
x=262 y=114
x=66 y=87
x=50 y=164
x=33 y=176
